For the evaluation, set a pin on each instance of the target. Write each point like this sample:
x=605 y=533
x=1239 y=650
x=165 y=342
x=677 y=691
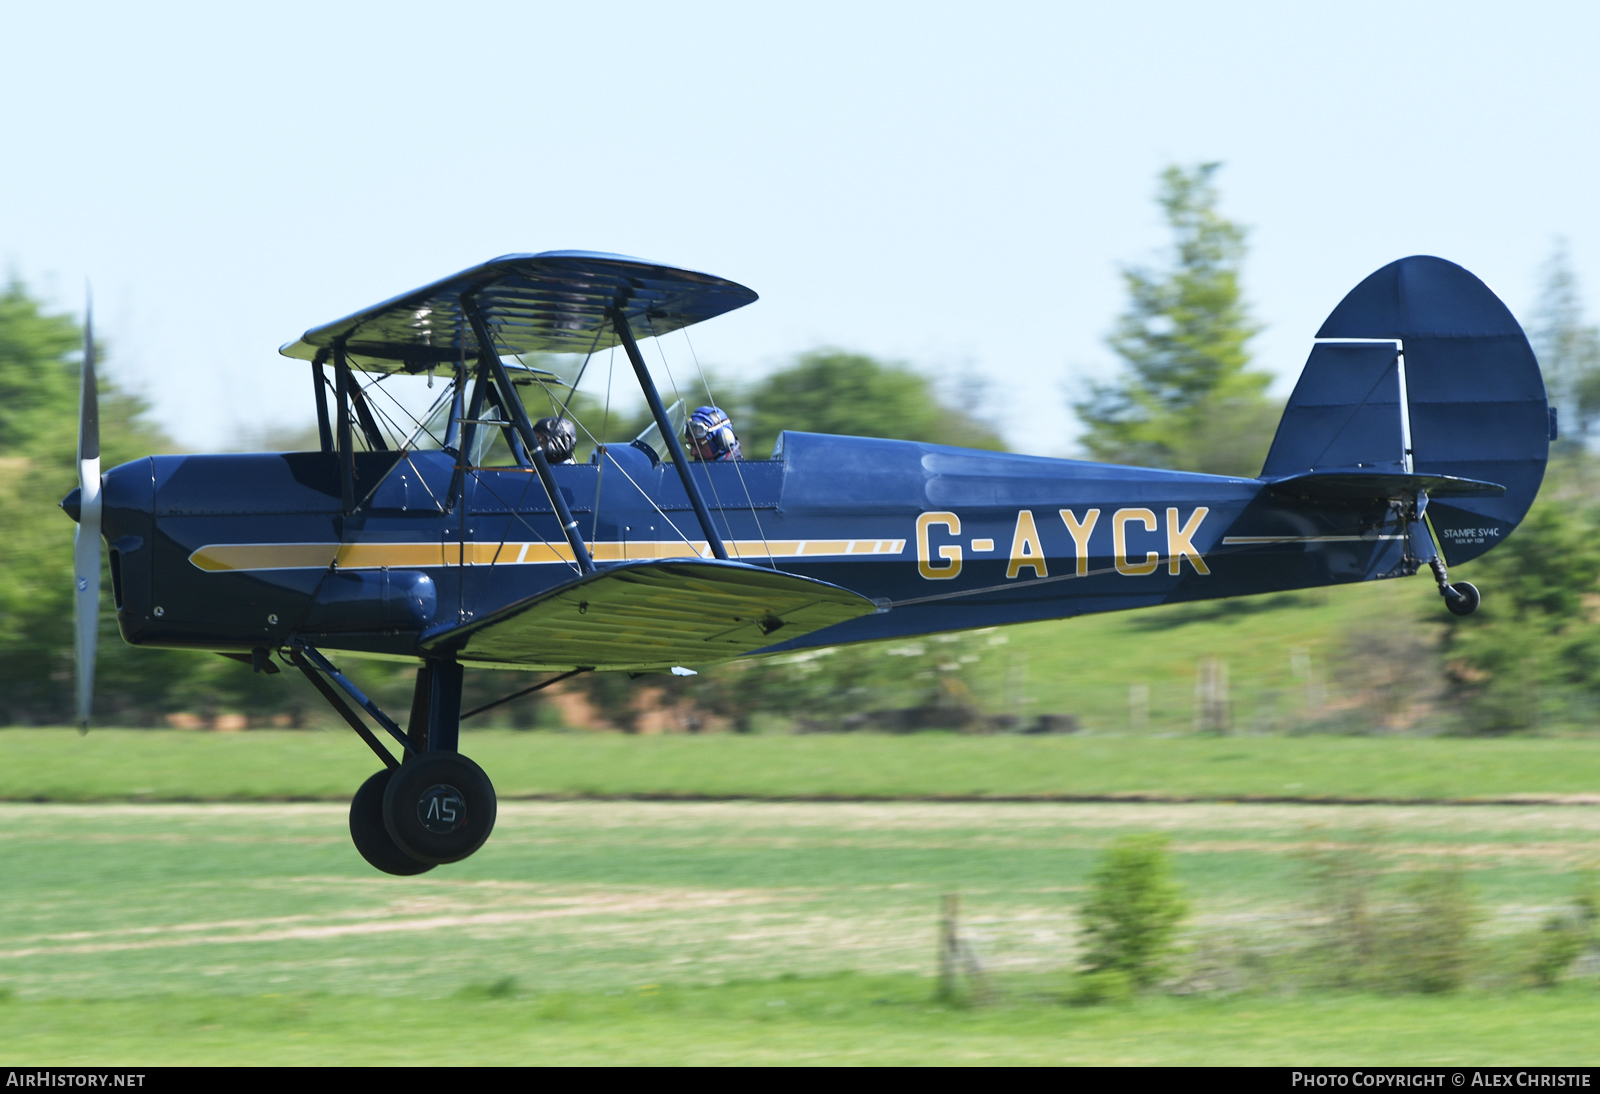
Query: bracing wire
x=642 y=492
x=500 y=398
x=710 y=478
x=358 y=434
x=750 y=501
x=670 y=522
x=563 y=406
x=516 y=511
x=476 y=472
x=401 y=445
x=405 y=451
x=573 y=390
x=401 y=436
x=560 y=406
x=605 y=427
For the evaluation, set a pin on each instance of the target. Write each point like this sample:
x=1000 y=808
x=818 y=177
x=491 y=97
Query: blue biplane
x=1417 y=435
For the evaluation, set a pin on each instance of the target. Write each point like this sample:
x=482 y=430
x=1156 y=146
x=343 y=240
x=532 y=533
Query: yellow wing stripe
x=223 y=557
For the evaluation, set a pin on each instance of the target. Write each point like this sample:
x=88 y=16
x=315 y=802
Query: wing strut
x=320 y=379
x=669 y=435
x=519 y=418
x=345 y=442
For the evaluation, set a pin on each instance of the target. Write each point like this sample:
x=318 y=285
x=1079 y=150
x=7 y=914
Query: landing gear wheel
x=371 y=838
x=439 y=806
x=1466 y=598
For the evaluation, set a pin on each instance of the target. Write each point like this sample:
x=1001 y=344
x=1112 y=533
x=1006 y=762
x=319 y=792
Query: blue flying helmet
x=711 y=436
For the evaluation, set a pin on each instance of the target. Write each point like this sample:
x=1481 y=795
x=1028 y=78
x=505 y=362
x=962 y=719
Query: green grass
x=717 y=932
x=836 y=1019
x=1085 y=666
x=59 y=765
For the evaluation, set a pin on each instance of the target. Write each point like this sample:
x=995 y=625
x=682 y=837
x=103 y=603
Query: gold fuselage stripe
x=1246 y=541
x=221 y=557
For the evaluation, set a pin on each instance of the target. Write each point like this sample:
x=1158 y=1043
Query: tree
x=39 y=378
x=1568 y=349
x=831 y=391
x=1535 y=640
x=1187 y=398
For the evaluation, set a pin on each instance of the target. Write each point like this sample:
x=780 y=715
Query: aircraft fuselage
x=233 y=552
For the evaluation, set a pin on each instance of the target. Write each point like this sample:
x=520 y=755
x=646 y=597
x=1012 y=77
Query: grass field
x=721 y=932
x=1277 y=648
x=59 y=765
x=167 y=901
x=826 y=1020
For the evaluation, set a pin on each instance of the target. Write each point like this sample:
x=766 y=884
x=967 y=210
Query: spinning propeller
x=86 y=541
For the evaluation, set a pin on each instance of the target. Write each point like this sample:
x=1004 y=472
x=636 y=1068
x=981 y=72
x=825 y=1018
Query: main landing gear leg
x=439 y=806
x=435 y=807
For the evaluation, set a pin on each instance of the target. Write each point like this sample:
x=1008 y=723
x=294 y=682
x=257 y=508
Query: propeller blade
x=86 y=541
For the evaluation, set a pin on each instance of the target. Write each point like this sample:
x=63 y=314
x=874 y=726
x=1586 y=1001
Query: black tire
x=1466 y=600
x=439 y=807
x=372 y=837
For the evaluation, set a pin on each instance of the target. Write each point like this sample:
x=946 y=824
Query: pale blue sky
x=950 y=185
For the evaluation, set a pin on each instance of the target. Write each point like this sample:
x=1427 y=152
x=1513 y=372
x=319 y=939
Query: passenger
x=711 y=436
x=558 y=437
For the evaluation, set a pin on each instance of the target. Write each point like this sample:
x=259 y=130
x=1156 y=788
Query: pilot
x=558 y=437
x=711 y=436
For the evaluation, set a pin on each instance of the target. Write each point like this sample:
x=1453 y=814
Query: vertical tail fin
x=1422 y=369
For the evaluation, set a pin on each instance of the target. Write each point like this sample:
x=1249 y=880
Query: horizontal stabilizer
x=1362 y=484
x=652 y=615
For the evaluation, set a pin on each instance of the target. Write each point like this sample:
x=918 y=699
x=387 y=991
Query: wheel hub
x=441 y=809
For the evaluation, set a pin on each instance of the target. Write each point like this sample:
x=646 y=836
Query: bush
x=1418 y=938
x=1132 y=912
x=1430 y=935
x=1565 y=936
x=1091 y=989
x=1555 y=949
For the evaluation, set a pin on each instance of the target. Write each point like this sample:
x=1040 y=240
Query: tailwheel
x=371 y=836
x=438 y=807
x=1462 y=598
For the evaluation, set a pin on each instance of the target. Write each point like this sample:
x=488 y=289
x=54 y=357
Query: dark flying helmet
x=558 y=437
x=711 y=435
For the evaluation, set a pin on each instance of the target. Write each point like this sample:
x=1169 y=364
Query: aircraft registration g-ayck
x=1417 y=436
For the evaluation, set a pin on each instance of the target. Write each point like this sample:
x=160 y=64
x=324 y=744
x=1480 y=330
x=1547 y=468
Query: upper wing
x=652 y=615
x=556 y=302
